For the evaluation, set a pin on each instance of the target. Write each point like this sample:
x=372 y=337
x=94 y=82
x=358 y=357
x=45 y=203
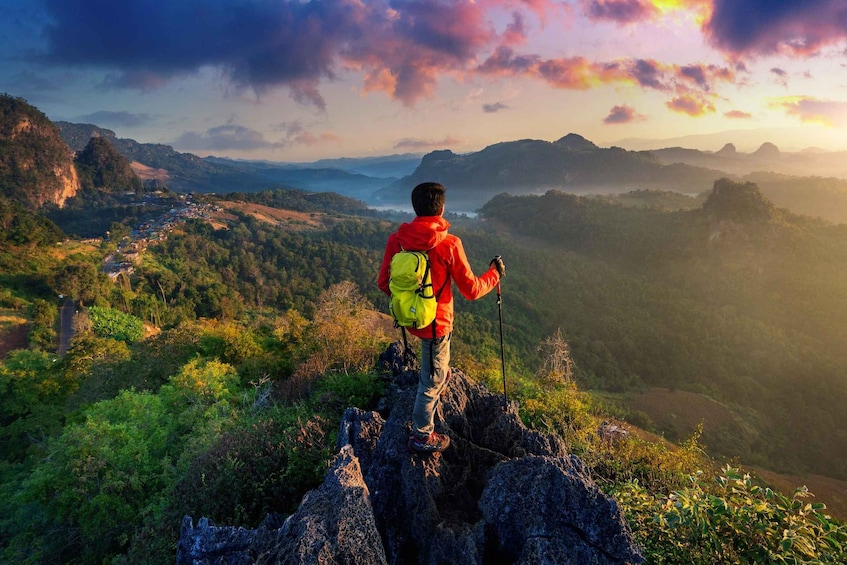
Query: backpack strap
x=435 y=321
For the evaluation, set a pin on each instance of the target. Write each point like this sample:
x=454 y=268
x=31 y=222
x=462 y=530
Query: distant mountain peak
x=727 y=150
x=576 y=142
x=767 y=151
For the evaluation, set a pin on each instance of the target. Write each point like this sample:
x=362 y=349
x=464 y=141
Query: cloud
x=115 y=119
x=420 y=144
x=28 y=81
x=738 y=115
x=623 y=115
x=763 y=27
x=704 y=76
x=516 y=32
x=401 y=48
x=295 y=133
x=813 y=110
x=780 y=76
x=494 y=108
x=579 y=73
x=620 y=11
x=224 y=138
x=691 y=105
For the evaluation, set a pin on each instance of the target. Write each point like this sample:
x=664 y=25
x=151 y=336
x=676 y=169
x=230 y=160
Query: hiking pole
x=502 y=350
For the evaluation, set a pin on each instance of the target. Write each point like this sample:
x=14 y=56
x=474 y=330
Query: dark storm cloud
x=115 y=119
x=763 y=27
x=260 y=44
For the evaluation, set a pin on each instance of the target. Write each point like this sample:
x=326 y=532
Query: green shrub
x=108 y=322
x=356 y=389
x=253 y=471
x=732 y=520
x=42 y=334
x=102 y=475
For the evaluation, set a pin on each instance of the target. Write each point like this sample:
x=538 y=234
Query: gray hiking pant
x=432 y=380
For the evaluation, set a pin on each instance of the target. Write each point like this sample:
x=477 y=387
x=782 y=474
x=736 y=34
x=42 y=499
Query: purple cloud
x=224 y=138
x=401 y=47
x=623 y=114
x=765 y=27
x=620 y=11
x=494 y=108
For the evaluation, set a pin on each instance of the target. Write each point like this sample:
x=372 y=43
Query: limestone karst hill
x=36 y=166
x=500 y=494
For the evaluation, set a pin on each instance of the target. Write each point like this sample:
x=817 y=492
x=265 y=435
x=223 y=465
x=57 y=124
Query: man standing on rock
x=448 y=263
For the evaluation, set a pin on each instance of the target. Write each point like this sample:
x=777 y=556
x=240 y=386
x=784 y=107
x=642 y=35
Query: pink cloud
x=812 y=110
x=580 y=73
x=738 y=115
x=691 y=105
x=423 y=144
x=516 y=32
x=623 y=114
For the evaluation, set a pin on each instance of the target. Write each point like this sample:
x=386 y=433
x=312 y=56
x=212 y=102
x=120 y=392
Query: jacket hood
x=423 y=233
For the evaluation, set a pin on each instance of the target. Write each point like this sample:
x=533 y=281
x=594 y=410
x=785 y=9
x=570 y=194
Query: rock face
x=500 y=494
x=36 y=166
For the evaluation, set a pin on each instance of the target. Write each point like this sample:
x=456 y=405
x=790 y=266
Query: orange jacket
x=448 y=262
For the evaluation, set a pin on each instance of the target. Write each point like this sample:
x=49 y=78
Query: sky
x=297 y=81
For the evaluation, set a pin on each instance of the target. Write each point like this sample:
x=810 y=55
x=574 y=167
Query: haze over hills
x=572 y=164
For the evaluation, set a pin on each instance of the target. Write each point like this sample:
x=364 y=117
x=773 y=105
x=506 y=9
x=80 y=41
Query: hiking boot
x=432 y=443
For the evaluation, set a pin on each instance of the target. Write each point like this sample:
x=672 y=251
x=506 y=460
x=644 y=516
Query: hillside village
x=122 y=262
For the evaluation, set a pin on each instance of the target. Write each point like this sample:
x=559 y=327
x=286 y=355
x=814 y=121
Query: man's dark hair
x=428 y=198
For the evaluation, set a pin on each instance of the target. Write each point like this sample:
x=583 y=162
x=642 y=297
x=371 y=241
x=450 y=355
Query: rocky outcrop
x=500 y=494
x=36 y=166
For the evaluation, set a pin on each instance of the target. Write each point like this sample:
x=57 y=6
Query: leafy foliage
x=109 y=322
x=733 y=521
x=19 y=226
x=737 y=299
x=101 y=167
x=301 y=201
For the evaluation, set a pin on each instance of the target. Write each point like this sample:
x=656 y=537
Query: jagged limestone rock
x=500 y=494
x=334 y=524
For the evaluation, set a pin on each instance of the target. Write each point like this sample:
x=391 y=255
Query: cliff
x=500 y=494
x=36 y=166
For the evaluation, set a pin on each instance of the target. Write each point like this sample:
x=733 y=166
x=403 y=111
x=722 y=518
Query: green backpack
x=413 y=302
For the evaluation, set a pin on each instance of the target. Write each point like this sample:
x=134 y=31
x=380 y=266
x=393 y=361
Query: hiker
x=448 y=262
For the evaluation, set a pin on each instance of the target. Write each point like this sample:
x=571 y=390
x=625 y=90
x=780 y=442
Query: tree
x=558 y=365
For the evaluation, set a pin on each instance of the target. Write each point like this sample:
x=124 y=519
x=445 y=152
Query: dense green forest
x=211 y=381
x=101 y=167
x=737 y=299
